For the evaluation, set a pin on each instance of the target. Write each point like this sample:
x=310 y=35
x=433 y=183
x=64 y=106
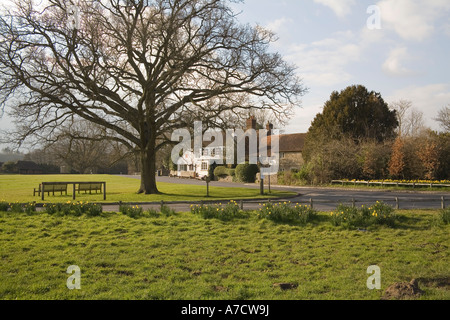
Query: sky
x=404 y=54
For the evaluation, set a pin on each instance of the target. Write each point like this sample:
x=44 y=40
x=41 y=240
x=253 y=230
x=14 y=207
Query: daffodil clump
x=74 y=208
x=18 y=207
x=224 y=212
x=379 y=213
x=131 y=211
x=287 y=212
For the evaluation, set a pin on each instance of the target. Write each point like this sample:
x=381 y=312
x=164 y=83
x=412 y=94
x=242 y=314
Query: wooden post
x=42 y=191
x=442 y=202
x=73 y=195
x=311 y=203
x=397 y=203
x=104 y=190
x=242 y=204
x=207 y=186
x=261 y=186
x=162 y=204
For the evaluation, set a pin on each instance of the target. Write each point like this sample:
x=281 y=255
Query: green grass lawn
x=20 y=188
x=186 y=257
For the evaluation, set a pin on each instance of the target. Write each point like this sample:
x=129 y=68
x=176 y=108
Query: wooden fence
x=388 y=183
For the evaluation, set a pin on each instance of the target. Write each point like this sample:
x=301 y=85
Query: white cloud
x=413 y=19
x=279 y=25
x=340 y=7
x=394 y=64
x=323 y=63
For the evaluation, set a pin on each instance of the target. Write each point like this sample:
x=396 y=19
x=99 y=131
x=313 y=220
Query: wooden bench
x=89 y=186
x=62 y=187
x=51 y=187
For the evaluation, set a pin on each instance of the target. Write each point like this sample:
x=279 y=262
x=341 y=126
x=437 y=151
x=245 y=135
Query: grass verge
x=184 y=256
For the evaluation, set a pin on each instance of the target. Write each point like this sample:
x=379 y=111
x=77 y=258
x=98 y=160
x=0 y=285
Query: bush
x=225 y=213
x=379 y=213
x=221 y=172
x=246 y=172
x=287 y=212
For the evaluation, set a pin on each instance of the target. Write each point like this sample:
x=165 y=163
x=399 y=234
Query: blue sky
x=329 y=41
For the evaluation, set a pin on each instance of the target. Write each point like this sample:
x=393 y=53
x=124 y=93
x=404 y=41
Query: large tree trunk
x=148 y=172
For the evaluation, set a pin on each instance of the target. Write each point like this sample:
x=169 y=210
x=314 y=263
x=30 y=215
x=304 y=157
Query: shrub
x=379 y=213
x=221 y=172
x=246 y=172
x=287 y=212
x=225 y=213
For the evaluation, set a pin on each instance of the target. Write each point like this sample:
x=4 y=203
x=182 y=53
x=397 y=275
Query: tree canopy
x=357 y=113
x=139 y=68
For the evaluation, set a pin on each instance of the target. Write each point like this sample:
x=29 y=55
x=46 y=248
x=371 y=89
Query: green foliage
x=167 y=211
x=286 y=212
x=352 y=217
x=444 y=216
x=16 y=207
x=226 y=212
x=356 y=113
x=74 y=209
x=221 y=171
x=246 y=172
x=131 y=211
x=4 y=206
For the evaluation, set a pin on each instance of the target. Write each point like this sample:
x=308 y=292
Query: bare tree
x=443 y=118
x=139 y=68
x=410 y=119
x=401 y=107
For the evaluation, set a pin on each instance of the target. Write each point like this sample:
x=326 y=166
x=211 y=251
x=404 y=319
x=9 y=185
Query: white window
x=204 y=166
x=182 y=167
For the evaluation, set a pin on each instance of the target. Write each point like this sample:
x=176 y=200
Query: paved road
x=324 y=199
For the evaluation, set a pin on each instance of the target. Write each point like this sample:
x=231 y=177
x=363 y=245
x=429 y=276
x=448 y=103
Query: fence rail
x=396 y=202
x=386 y=183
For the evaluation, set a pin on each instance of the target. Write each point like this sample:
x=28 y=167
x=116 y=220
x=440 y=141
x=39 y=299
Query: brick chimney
x=251 y=123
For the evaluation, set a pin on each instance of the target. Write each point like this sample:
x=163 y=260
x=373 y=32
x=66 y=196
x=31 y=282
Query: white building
x=188 y=166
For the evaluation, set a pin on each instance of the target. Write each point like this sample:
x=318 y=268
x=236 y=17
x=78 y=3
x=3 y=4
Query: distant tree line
x=359 y=136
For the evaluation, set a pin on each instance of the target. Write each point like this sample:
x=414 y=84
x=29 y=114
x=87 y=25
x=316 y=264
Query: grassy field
x=20 y=188
x=184 y=256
